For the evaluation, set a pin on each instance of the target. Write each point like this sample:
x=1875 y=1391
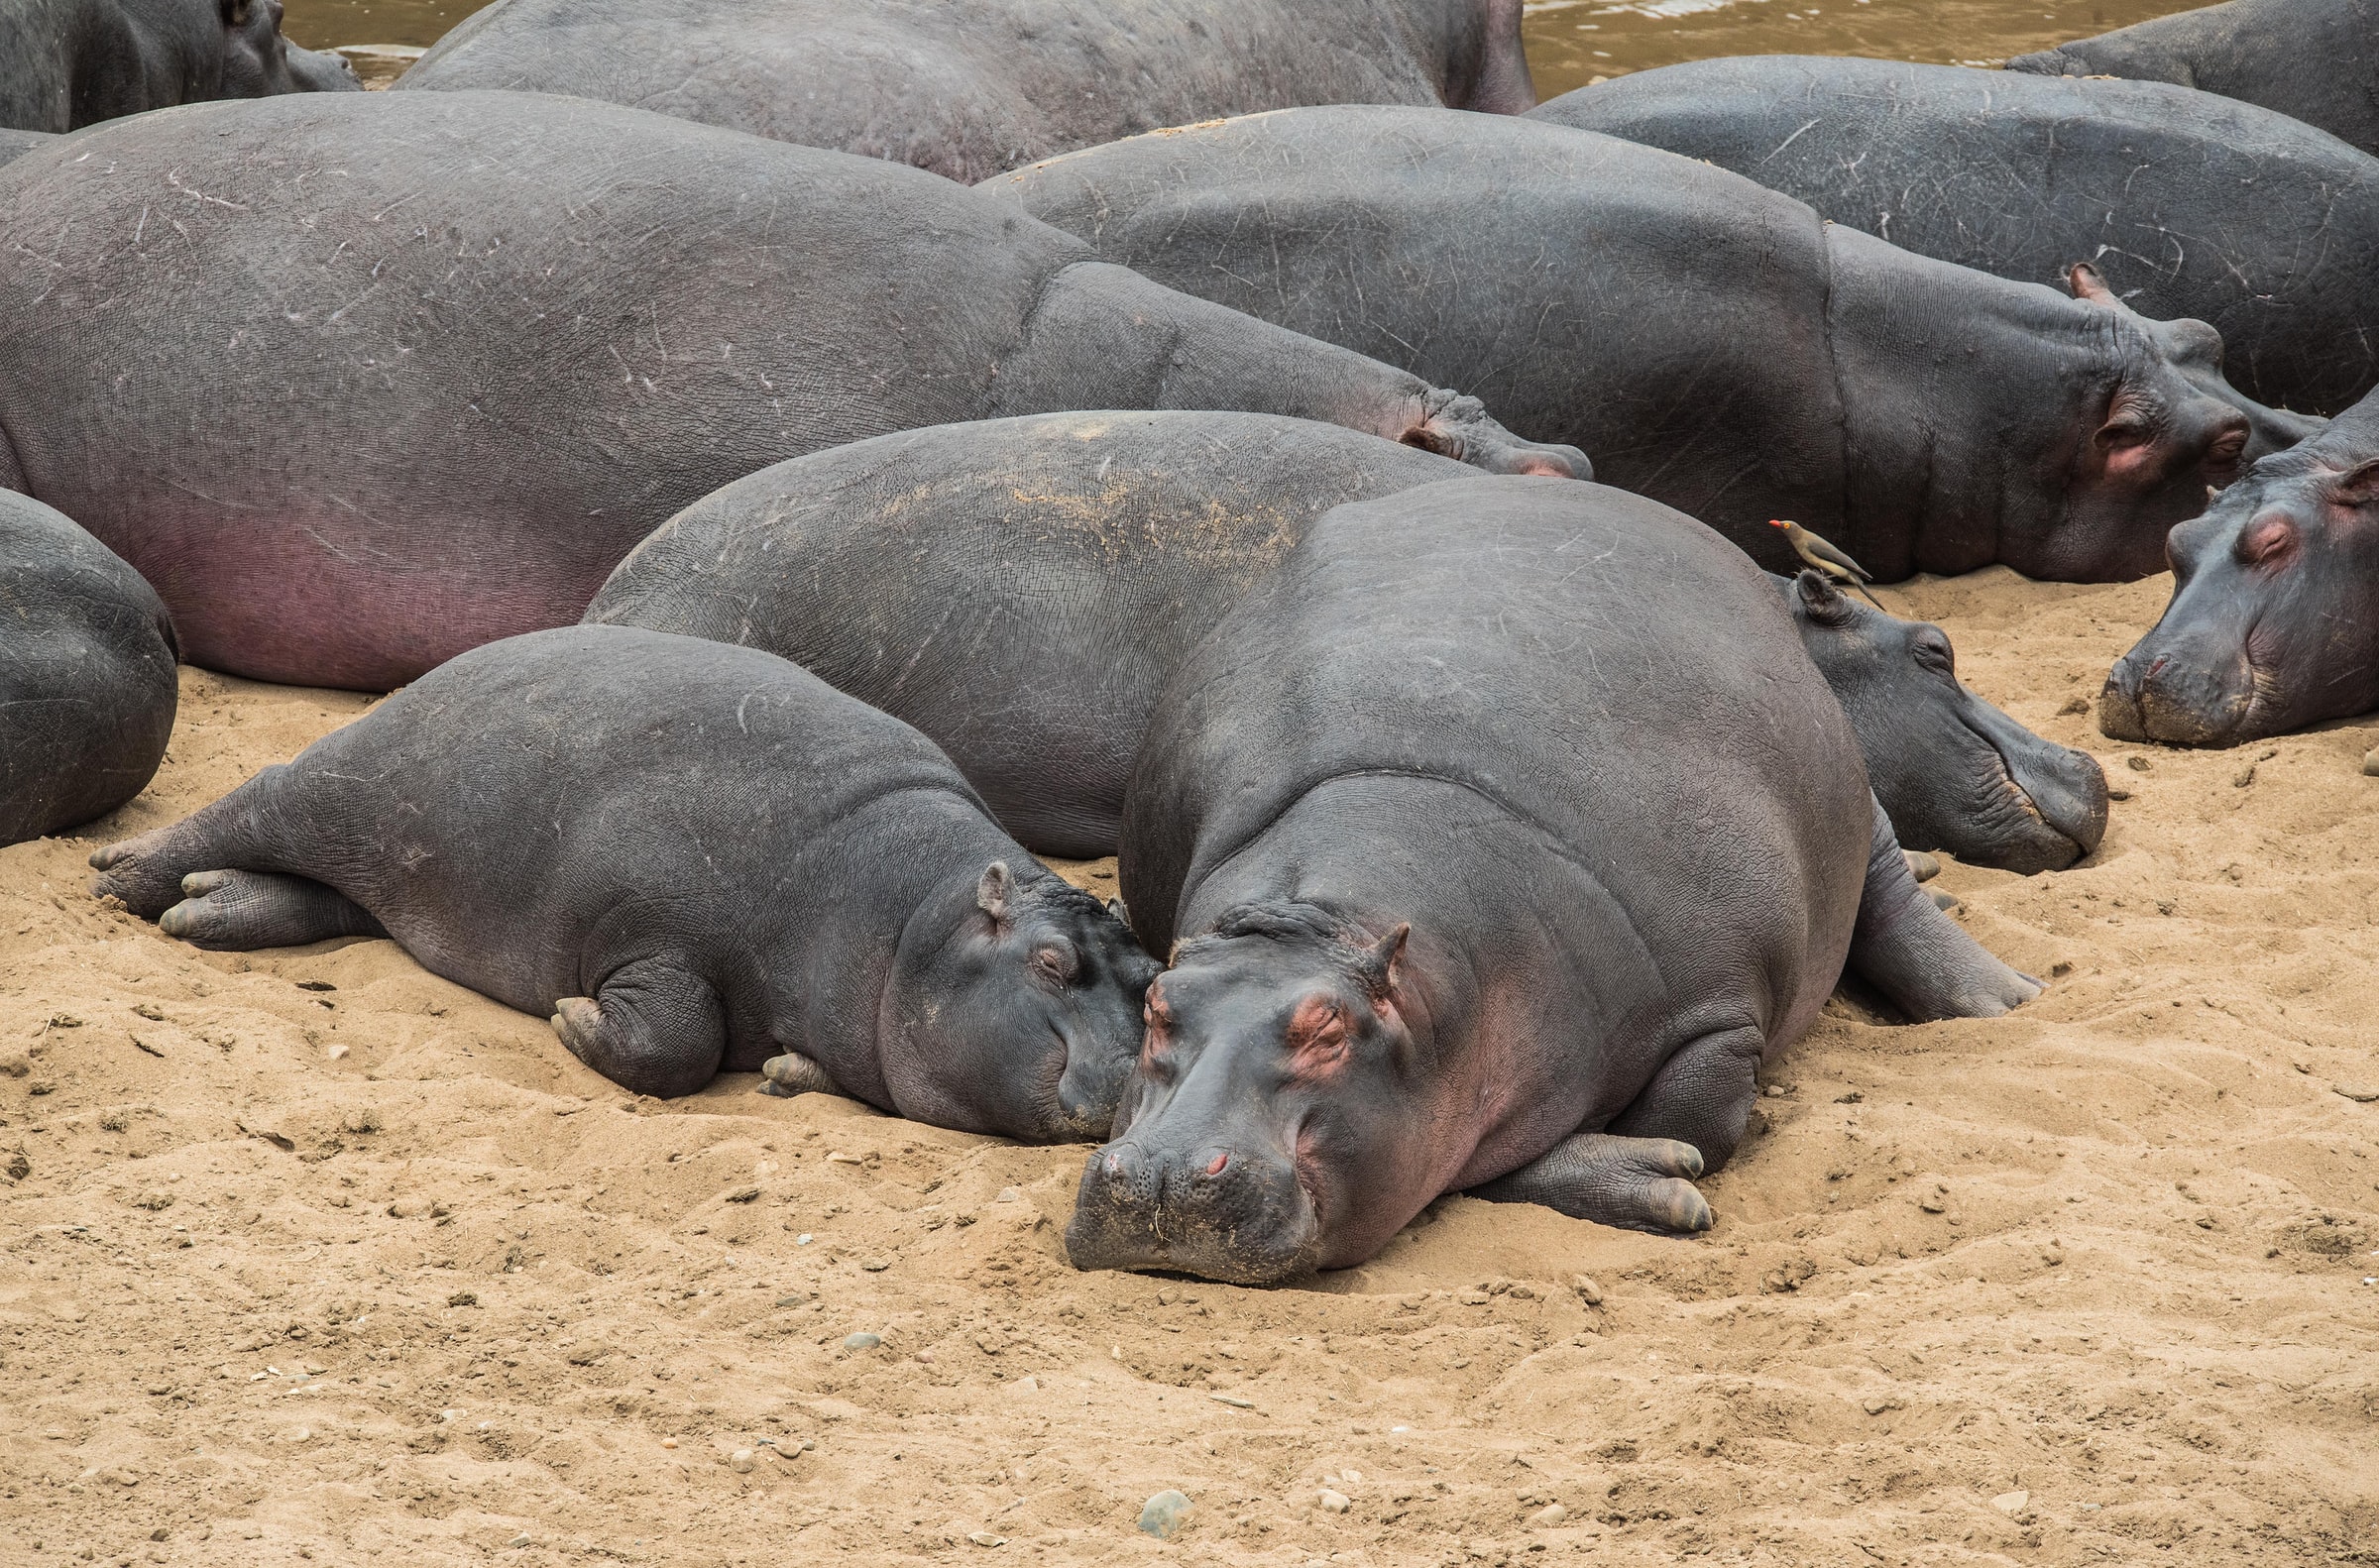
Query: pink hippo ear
x=991 y=893
x=2089 y=284
x=1379 y=964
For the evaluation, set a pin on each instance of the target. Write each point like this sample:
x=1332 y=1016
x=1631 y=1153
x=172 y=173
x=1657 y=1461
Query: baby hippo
x=695 y=858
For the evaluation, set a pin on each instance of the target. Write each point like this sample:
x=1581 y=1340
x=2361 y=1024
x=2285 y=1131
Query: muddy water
x=1570 y=42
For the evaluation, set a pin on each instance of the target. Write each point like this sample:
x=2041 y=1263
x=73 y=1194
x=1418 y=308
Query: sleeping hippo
x=1713 y=344
x=969 y=87
x=2316 y=60
x=87 y=685
x=1018 y=589
x=696 y=857
x=1484 y=865
x=2191 y=205
x=356 y=394
x=2271 y=624
x=67 y=64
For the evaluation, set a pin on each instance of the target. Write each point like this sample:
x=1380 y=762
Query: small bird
x=1817 y=553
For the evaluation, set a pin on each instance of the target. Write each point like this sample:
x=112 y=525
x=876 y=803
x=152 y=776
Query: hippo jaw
x=2218 y=701
x=1140 y=1208
x=2051 y=800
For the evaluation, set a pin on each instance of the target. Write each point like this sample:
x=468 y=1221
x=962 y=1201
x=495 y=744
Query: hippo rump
x=695 y=858
x=1714 y=344
x=1484 y=865
x=373 y=395
x=2316 y=60
x=969 y=87
x=87 y=685
x=2273 y=623
x=2191 y=205
x=67 y=64
x=1017 y=590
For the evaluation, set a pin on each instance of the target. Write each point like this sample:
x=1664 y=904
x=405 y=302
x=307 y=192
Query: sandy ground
x=308 y=1254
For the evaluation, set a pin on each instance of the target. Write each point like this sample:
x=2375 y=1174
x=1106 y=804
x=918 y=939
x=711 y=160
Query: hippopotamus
x=1017 y=588
x=695 y=858
x=88 y=684
x=2271 y=624
x=2190 y=206
x=969 y=87
x=1483 y=864
x=2316 y=60
x=67 y=64
x=16 y=144
x=1713 y=343
x=356 y=396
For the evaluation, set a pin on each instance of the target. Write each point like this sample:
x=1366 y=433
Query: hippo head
x=2153 y=439
x=258 y=63
x=1277 y=1123
x=1952 y=771
x=2271 y=624
x=1014 y=1008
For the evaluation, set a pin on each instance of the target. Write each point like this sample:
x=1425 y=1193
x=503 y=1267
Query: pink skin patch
x=1317 y=1039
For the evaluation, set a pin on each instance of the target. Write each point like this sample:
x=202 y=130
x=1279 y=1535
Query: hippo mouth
x=2142 y=716
x=2039 y=841
x=1160 y=1235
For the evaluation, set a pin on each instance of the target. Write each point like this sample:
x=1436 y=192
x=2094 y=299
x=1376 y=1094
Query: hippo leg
x=1636 y=1183
x=794 y=1074
x=653 y=1028
x=1909 y=949
x=241 y=911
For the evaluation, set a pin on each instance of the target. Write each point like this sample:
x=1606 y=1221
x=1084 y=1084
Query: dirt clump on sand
x=310 y=1254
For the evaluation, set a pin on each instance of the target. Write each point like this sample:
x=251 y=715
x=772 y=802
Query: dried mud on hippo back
x=1714 y=344
x=695 y=858
x=2274 y=619
x=2192 y=206
x=1483 y=864
x=68 y=63
x=525 y=332
x=967 y=91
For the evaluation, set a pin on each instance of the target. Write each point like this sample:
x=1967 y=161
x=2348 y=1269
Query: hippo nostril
x=2156 y=668
x=1214 y=1167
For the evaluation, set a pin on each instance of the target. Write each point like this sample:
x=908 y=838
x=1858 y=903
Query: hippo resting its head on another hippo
x=2274 y=622
x=2316 y=60
x=68 y=63
x=439 y=359
x=2191 y=205
x=969 y=87
x=695 y=858
x=1485 y=856
x=87 y=685
x=1019 y=589
x=1714 y=344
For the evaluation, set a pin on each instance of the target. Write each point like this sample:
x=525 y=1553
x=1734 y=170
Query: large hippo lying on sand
x=1713 y=344
x=695 y=858
x=1021 y=590
x=87 y=686
x=2191 y=205
x=969 y=87
x=65 y=63
x=355 y=394
x=2316 y=59
x=1482 y=860
x=2273 y=621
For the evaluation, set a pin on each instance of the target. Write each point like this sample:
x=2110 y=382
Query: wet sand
x=309 y=1254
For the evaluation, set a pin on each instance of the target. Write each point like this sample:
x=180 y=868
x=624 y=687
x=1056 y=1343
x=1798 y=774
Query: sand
x=309 y=1255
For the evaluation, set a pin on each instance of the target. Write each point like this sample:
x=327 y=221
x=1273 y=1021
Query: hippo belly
x=968 y=88
x=2191 y=204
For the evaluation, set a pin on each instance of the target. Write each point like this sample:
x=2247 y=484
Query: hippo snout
x=1207 y=1208
x=2169 y=694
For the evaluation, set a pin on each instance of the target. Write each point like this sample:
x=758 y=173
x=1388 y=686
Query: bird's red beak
x=1775 y=522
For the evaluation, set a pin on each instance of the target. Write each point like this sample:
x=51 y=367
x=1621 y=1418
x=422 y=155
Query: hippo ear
x=2357 y=485
x=2089 y=286
x=1380 y=963
x=991 y=893
x=1822 y=602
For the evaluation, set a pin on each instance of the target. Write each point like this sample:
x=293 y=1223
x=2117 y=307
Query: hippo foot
x=794 y=1074
x=1906 y=946
x=242 y=911
x=141 y=872
x=1635 y=1183
x=658 y=1030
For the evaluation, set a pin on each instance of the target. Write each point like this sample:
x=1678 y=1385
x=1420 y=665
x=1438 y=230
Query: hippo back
x=1018 y=589
x=2191 y=204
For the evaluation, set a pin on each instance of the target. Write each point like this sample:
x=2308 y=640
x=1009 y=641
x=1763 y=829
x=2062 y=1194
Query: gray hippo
x=2273 y=623
x=1714 y=344
x=2316 y=60
x=695 y=858
x=88 y=684
x=1018 y=590
x=356 y=396
x=969 y=87
x=2191 y=205
x=16 y=144
x=67 y=64
x=1484 y=865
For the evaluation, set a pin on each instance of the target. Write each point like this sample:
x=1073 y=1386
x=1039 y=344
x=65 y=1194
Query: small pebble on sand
x=1163 y=1514
x=742 y=1461
x=1549 y=1515
x=1336 y=1502
x=2364 y=1093
x=2370 y=763
x=863 y=1340
x=668 y=1443
x=2011 y=1503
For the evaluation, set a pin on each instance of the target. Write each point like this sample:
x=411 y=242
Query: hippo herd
x=795 y=464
